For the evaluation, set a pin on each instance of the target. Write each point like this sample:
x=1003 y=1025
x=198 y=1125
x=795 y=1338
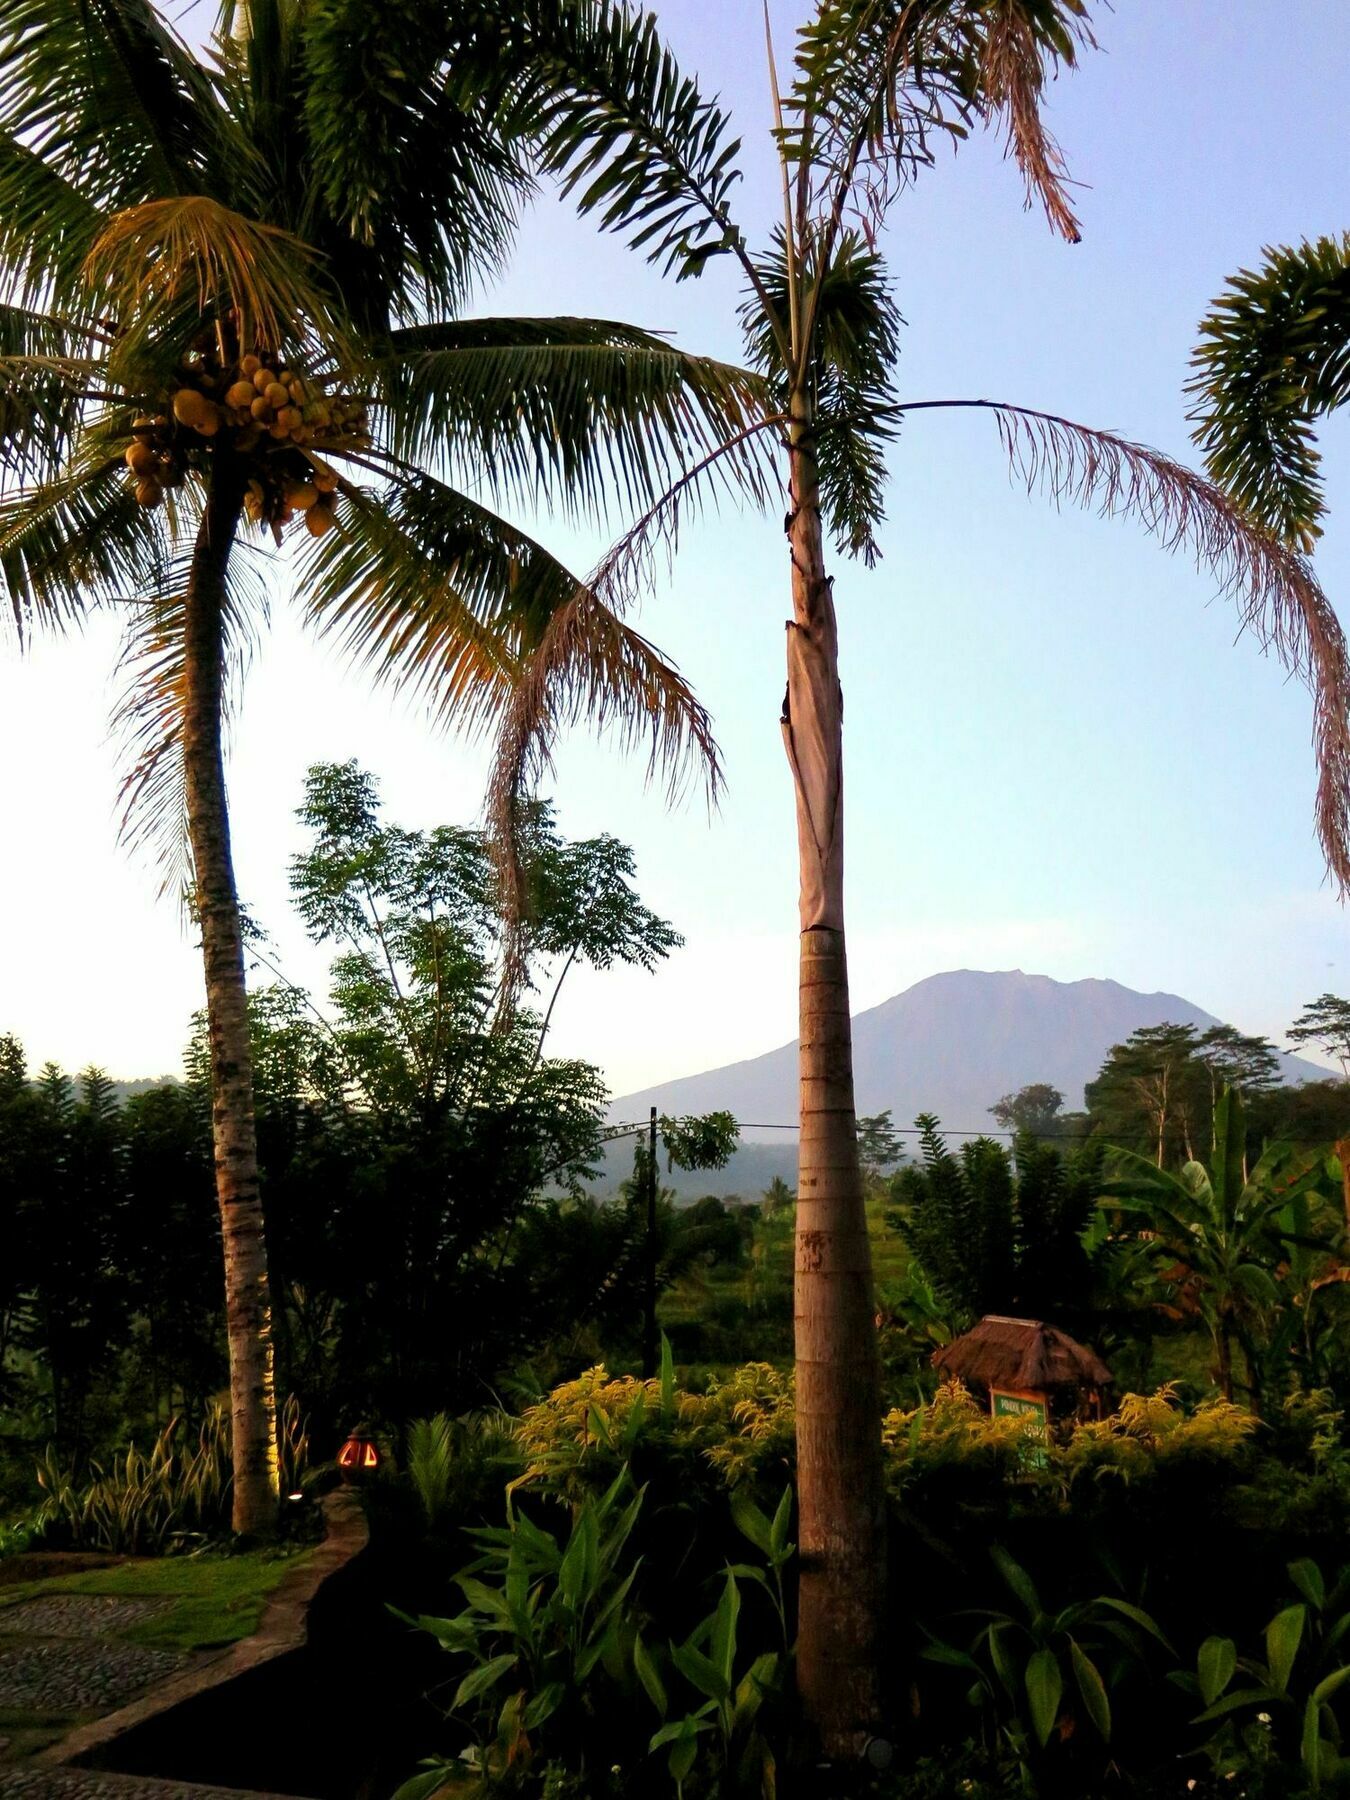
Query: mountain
x=951 y=1044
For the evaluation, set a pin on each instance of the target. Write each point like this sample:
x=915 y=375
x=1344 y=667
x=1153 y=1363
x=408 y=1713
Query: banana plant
x=1225 y=1230
x=1290 y=1692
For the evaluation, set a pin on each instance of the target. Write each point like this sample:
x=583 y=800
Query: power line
x=897 y=1130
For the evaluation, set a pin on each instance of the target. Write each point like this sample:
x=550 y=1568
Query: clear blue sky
x=1057 y=756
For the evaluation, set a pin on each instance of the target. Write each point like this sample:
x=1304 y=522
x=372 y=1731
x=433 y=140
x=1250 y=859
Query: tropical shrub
x=740 y=1428
x=1285 y=1704
x=1043 y=1679
x=570 y=1688
x=141 y=1502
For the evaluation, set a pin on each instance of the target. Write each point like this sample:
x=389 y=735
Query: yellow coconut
x=277 y=395
x=149 y=493
x=263 y=379
x=261 y=409
x=318 y=520
x=189 y=406
x=141 y=459
x=290 y=415
x=249 y=365
x=240 y=394
x=277 y=430
x=324 y=478
x=302 y=495
x=209 y=423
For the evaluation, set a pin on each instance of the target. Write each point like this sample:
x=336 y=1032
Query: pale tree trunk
x=841 y=1527
x=248 y=1316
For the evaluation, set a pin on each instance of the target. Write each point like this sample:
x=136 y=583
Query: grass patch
x=217 y=1599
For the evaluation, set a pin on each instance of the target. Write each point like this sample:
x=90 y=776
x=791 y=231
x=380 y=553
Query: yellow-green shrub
x=740 y=1425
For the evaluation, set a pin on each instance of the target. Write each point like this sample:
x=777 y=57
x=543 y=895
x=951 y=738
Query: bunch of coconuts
x=274 y=418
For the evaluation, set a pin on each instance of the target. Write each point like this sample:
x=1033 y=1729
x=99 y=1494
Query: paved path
x=94 y=1784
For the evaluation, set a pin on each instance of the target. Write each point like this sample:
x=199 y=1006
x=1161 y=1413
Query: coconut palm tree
x=233 y=291
x=876 y=86
x=1273 y=356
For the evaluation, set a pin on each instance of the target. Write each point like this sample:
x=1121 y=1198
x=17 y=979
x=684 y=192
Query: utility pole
x=649 y=1320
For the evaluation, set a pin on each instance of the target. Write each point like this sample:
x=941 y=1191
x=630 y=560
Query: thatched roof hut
x=1022 y=1356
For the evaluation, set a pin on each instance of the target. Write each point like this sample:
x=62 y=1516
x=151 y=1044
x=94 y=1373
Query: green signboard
x=1033 y=1417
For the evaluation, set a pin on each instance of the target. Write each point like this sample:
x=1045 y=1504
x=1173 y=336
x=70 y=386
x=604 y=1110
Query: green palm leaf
x=581 y=413
x=1273 y=356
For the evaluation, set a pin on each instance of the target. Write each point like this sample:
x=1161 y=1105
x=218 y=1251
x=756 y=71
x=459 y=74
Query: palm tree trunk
x=248 y=1320
x=841 y=1527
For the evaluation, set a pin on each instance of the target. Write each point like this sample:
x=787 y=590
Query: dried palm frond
x=1278 y=598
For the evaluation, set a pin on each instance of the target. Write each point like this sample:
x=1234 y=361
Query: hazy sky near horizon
x=1058 y=757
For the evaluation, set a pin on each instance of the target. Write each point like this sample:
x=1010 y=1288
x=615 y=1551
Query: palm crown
x=300 y=213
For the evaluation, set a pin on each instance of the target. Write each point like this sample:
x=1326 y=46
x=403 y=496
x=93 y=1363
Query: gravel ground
x=76 y=1615
x=74 y=1676
x=95 y=1784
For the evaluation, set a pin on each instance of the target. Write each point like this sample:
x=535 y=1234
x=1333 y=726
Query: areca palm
x=232 y=286
x=875 y=87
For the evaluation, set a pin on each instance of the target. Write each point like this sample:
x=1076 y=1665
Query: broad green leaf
x=700 y=1672
x=1215 y=1666
x=1017 y=1579
x=1093 y=1690
x=723 y=1644
x=486 y=1676
x=1283 y=1637
x=751 y=1521
x=1307 y=1578
x=545 y=1703
x=1310 y=1747
x=650 y=1676
x=1045 y=1690
x=1329 y=1684
x=1235 y=1702
x=782 y=1520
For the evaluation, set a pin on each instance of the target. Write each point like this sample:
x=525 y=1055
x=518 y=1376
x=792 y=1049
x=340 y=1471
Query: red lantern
x=359 y=1456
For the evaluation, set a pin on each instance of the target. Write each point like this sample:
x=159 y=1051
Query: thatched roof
x=1021 y=1354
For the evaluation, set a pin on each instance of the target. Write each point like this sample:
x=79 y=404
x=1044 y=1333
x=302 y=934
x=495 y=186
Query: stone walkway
x=94 y=1784
x=64 y=1660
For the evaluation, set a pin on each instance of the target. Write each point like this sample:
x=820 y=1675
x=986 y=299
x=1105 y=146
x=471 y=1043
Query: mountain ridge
x=952 y=1043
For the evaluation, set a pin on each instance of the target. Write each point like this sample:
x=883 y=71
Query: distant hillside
x=951 y=1044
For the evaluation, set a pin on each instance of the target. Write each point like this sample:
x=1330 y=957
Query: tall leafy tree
x=875 y=87
x=999 y=1232
x=233 y=289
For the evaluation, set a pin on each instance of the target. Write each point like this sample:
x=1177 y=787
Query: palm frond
x=42 y=399
x=159 y=263
x=879 y=82
x=1274 y=354
x=1276 y=594
x=581 y=414
x=47 y=228
x=851 y=358
x=108 y=97
x=632 y=138
x=422 y=187
x=147 y=721
x=428 y=590
x=78 y=541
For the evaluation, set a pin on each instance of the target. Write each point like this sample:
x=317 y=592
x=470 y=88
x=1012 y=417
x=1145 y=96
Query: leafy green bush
x=740 y=1428
x=560 y=1677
